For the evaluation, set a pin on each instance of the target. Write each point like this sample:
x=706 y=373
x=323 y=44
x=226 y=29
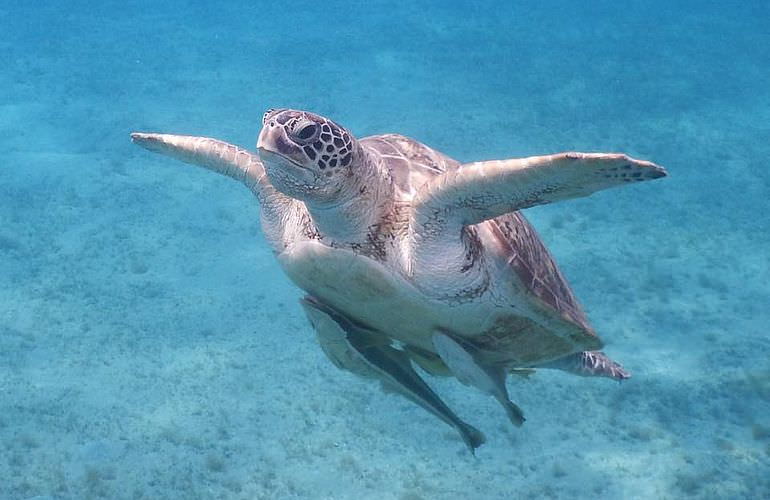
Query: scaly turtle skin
x=409 y=256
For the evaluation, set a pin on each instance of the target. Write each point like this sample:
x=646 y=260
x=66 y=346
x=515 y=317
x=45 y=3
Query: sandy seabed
x=150 y=347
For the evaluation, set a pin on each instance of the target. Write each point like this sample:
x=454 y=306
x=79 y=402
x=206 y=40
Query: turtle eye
x=305 y=131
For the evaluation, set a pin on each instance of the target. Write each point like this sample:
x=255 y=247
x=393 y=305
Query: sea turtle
x=410 y=257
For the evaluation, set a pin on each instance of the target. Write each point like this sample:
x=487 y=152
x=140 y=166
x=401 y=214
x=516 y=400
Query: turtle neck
x=368 y=197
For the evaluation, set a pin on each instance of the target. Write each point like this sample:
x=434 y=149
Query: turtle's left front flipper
x=479 y=191
x=354 y=348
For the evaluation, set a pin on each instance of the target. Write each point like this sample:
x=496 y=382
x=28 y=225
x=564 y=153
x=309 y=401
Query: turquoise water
x=150 y=347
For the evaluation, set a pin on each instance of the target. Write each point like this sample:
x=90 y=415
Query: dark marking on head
x=267 y=115
x=314 y=143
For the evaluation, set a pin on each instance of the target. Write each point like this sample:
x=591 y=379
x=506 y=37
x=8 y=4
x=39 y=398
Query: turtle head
x=308 y=157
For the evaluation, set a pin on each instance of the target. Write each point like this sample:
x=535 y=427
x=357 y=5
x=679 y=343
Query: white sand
x=151 y=348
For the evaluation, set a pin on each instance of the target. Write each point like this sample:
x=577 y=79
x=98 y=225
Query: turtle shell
x=519 y=248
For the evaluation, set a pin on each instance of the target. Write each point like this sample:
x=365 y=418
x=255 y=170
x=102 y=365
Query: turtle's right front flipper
x=212 y=154
x=355 y=349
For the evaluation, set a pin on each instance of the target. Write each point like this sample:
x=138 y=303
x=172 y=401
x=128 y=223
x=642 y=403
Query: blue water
x=150 y=347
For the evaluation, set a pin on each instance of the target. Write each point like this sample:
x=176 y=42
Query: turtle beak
x=272 y=142
x=280 y=166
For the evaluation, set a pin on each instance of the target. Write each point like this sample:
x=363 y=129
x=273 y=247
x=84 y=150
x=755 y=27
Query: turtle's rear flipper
x=589 y=364
x=355 y=348
x=469 y=371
